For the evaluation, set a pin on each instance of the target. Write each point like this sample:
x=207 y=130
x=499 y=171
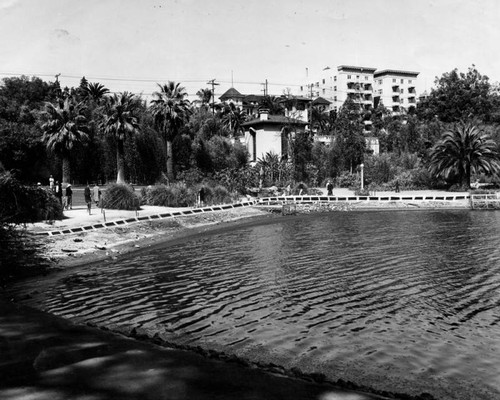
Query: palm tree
x=232 y=118
x=170 y=110
x=462 y=151
x=65 y=127
x=204 y=96
x=119 y=122
x=95 y=92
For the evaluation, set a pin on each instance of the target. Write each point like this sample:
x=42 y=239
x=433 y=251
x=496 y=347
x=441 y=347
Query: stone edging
x=152 y=217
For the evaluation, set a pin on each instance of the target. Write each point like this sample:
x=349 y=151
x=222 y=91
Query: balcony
x=395 y=99
x=368 y=88
x=412 y=90
x=395 y=88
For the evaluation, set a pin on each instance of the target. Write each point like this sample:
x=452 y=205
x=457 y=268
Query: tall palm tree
x=170 y=110
x=65 y=127
x=120 y=122
x=463 y=150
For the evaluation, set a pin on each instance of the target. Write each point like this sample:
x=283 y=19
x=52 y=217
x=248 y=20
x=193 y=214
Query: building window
x=323 y=81
x=394 y=80
x=402 y=91
x=357 y=76
x=402 y=81
x=409 y=81
x=366 y=77
x=323 y=91
x=380 y=81
x=335 y=88
x=348 y=76
x=317 y=84
x=302 y=88
x=334 y=98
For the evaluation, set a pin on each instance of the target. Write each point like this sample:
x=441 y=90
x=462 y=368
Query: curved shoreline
x=170 y=231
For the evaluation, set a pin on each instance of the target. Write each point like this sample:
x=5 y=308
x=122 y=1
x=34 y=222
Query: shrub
x=182 y=196
x=220 y=195
x=120 y=197
x=348 y=180
x=300 y=186
x=22 y=204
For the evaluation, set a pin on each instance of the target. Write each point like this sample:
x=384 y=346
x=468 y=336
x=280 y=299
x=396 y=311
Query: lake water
x=399 y=301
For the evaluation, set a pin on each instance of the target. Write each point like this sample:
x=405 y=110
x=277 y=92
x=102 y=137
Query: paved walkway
x=43 y=357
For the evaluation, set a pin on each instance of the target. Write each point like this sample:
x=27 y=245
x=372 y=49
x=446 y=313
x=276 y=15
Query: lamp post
x=362 y=166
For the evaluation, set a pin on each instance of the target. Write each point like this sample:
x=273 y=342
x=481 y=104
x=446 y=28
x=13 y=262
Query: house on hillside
x=270 y=134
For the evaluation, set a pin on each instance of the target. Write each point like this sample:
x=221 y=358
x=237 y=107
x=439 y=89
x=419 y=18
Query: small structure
x=270 y=134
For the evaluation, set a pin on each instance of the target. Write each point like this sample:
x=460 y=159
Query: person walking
x=97 y=194
x=88 y=198
x=69 y=197
x=397 y=187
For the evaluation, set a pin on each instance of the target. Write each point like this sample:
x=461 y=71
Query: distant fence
x=312 y=199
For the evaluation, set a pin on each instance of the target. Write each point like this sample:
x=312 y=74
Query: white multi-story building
x=396 y=89
x=366 y=86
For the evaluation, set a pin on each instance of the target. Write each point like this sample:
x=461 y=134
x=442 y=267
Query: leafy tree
x=65 y=128
x=170 y=109
x=462 y=151
x=349 y=139
x=119 y=122
x=459 y=96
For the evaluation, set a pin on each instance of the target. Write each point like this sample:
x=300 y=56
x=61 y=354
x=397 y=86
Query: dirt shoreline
x=79 y=249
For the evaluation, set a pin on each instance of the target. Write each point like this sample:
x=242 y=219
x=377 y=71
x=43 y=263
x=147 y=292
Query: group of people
x=66 y=196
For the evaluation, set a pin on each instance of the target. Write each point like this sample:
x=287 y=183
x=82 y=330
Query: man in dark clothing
x=88 y=197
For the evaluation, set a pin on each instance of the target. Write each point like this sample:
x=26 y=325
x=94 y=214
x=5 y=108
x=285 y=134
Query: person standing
x=329 y=188
x=97 y=194
x=201 y=197
x=69 y=197
x=88 y=197
x=58 y=189
x=397 y=187
x=51 y=183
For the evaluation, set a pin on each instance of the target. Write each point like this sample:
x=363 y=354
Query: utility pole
x=265 y=88
x=212 y=82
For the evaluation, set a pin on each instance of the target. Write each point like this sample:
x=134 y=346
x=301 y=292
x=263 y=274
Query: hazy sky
x=132 y=44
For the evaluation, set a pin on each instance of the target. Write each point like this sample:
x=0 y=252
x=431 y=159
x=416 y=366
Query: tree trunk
x=66 y=170
x=120 y=162
x=170 y=161
x=466 y=177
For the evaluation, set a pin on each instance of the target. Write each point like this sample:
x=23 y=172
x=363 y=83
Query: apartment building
x=366 y=86
x=396 y=89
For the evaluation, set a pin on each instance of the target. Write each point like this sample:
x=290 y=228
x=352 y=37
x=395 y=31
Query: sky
x=135 y=45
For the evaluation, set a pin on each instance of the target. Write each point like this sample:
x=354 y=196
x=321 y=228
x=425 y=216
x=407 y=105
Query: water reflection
x=401 y=301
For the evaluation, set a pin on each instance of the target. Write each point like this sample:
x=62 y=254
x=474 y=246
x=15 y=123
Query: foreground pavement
x=43 y=357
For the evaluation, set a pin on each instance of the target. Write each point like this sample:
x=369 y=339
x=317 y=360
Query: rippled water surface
x=400 y=301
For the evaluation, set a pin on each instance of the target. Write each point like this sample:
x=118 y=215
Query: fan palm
x=65 y=127
x=232 y=118
x=170 y=110
x=120 y=122
x=464 y=150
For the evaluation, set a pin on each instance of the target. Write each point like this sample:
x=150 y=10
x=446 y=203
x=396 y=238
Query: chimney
x=264 y=114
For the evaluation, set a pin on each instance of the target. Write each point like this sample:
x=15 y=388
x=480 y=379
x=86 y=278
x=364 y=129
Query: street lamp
x=362 y=166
